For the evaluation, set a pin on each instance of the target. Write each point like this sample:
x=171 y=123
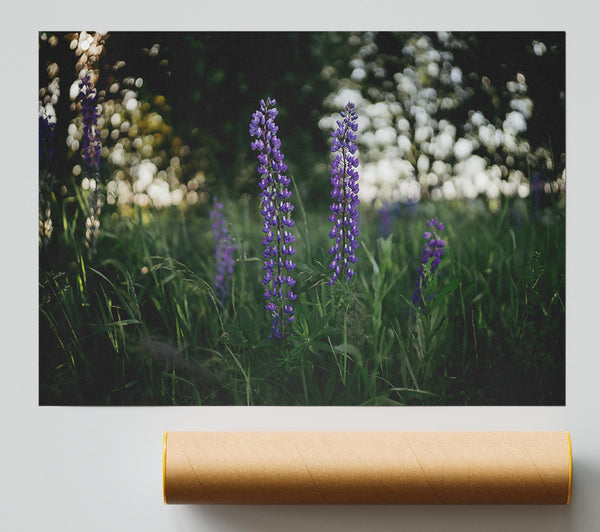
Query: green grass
x=138 y=322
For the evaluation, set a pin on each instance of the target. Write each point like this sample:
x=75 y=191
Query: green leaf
x=347 y=348
x=411 y=391
x=371 y=259
x=448 y=288
x=328 y=390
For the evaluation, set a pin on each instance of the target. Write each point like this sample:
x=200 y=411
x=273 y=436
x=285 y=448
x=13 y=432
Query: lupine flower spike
x=430 y=260
x=276 y=209
x=46 y=168
x=90 y=149
x=224 y=249
x=384 y=225
x=344 y=193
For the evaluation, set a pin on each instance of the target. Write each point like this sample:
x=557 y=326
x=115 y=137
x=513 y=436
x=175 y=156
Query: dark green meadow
x=138 y=322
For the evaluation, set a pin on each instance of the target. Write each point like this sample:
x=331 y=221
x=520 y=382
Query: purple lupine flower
x=537 y=188
x=276 y=208
x=90 y=144
x=344 y=193
x=46 y=159
x=46 y=176
x=224 y=249
x=46 y=141
x=90 y=149
x=430 y=259
x=384 y=219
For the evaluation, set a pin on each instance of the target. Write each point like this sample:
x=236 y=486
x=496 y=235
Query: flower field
x=283 y=285
x=143 y=323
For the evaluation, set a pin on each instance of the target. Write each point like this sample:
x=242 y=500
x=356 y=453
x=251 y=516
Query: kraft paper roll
x=367 y=467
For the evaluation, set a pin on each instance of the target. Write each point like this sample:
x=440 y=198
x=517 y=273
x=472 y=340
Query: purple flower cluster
x=90 y=145
x=430 y=259
x=46 y=176
x=276 y=209
x=224 y=249
x=90 y=149
x=46 y=142
x=384 y=218
x=344 y=208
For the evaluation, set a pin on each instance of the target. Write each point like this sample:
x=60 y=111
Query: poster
x=334 y=218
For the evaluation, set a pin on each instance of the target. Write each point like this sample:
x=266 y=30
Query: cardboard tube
x=367 y=467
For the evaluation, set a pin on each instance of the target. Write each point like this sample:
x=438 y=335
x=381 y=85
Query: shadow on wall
x=383 y=518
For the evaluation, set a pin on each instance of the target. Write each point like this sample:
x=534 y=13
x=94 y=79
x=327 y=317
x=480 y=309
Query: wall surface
x=97 y=469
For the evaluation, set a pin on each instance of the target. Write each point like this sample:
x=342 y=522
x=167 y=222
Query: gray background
x=97 y=469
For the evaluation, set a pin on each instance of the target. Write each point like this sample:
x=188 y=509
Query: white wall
x=98 y=469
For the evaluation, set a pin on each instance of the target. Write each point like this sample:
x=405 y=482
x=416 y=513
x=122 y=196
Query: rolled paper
x=367 y=467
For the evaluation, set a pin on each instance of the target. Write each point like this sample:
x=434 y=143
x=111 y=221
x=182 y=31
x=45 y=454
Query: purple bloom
x=90 y=144
x=344 y=193
x=384 y=225
x=46 y=142
x=430 y=259
x=46 y=159
x=46 y=176
x=224 y=249
x=537 y=188
x=90 y=149
x=276 y=209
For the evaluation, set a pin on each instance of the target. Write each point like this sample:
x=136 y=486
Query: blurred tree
x=206 y=85
x=540 y=57
x=213 y=82
x=474 y=111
